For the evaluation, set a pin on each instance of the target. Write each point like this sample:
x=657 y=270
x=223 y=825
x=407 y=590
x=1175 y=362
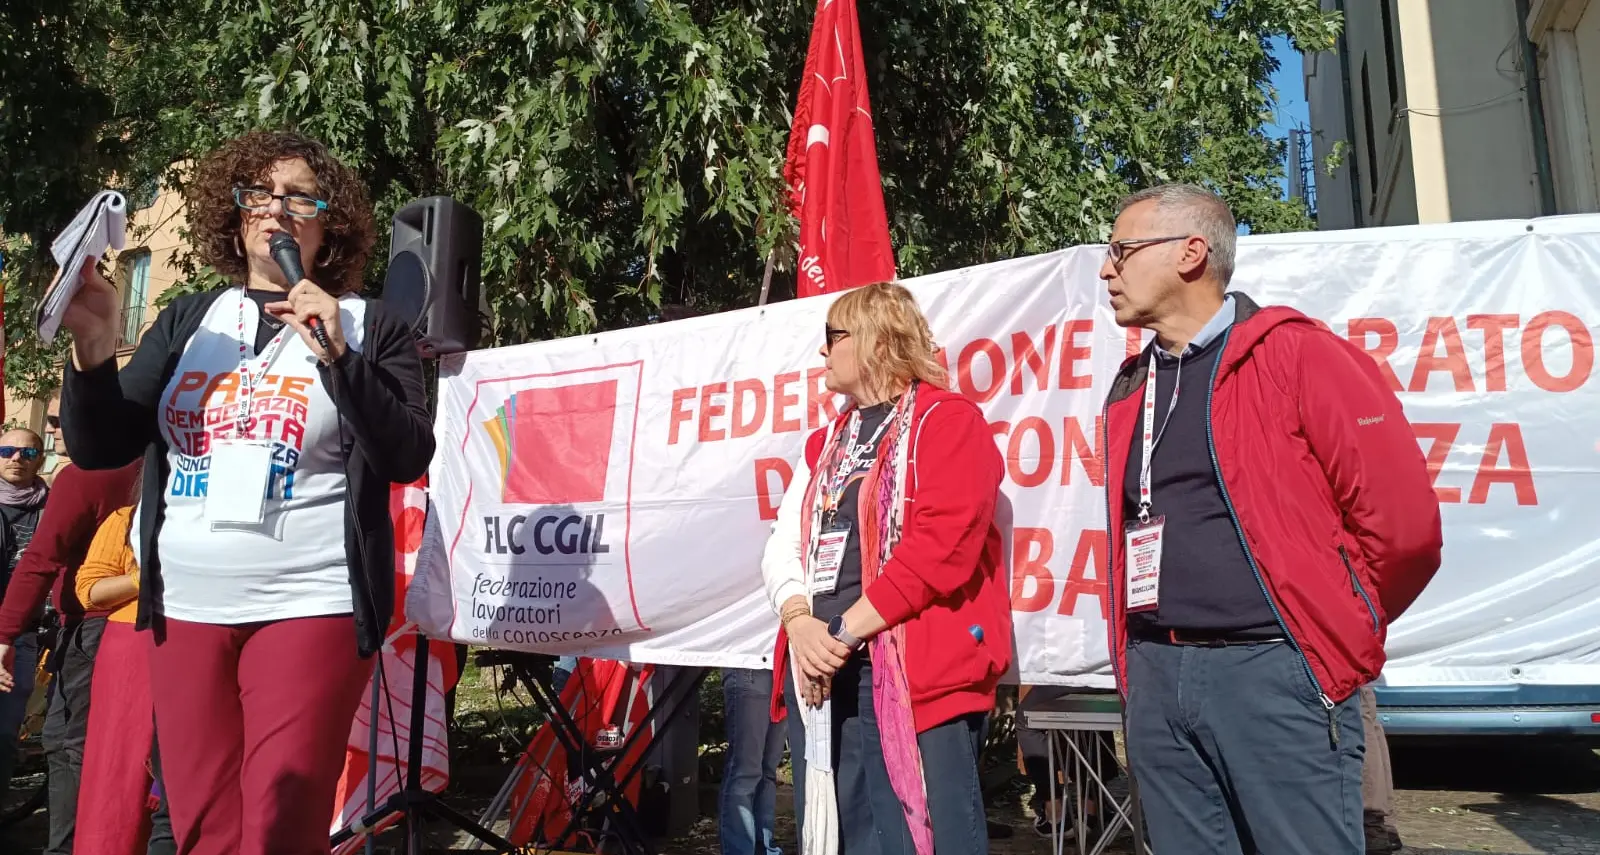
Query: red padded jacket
x=946 y=576
x=1322 y=474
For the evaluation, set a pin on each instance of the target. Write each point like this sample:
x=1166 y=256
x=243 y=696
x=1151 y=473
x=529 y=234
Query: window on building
x=143 y=194
x=135 y=269
x=1391 y=66
x=1372 y=133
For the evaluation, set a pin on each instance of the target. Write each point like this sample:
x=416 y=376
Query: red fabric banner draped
x=407 y=507
x=832 y=165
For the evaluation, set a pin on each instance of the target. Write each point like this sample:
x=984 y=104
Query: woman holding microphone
x=884 y=568
x=272 y=416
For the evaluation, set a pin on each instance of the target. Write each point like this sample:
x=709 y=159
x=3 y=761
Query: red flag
x=832 y=167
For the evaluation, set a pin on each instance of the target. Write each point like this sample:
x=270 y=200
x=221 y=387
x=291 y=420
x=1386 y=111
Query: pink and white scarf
x=881 y=503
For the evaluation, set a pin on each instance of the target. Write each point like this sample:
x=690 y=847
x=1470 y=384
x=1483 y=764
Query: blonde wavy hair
x=893 y=342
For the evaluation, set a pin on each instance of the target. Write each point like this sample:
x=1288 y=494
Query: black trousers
x=66 y=726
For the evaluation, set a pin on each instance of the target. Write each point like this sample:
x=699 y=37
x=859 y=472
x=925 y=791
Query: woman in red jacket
x=884 y=568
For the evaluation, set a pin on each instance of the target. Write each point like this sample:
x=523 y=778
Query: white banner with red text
x=611 y=494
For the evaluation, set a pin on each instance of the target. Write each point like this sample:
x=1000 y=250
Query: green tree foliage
x=32 y=370
x=629 y=152
x=52 y=154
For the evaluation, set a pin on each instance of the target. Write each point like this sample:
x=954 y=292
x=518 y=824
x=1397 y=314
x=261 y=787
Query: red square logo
x=558 y=443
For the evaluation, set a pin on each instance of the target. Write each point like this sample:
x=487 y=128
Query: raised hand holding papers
x=101 y=225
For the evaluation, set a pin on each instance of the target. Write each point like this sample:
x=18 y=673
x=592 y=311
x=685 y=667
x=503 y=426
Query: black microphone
x=286 y=251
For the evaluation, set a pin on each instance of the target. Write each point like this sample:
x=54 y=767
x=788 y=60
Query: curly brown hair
x=349 y=233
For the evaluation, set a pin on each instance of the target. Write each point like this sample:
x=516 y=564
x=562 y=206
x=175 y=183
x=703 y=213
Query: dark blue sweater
x=1206 y=581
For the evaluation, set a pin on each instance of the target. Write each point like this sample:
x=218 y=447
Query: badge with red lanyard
x=241 y=464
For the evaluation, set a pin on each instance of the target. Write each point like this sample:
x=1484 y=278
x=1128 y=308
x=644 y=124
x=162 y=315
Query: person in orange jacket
x=114 y=815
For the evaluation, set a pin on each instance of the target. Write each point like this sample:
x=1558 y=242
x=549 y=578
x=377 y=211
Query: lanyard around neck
x=243 y=422
x=1151 y=437
x=854 y=454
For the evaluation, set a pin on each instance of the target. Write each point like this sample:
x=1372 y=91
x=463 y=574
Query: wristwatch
x=837 y=630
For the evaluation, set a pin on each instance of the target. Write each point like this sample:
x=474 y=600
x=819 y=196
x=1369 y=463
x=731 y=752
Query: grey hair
x=1194 y=207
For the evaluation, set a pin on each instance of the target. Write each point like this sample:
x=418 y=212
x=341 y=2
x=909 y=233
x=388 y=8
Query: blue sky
x=1292 y=110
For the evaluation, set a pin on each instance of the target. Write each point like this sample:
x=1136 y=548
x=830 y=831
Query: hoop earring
x=324 y=256
x=238 y=246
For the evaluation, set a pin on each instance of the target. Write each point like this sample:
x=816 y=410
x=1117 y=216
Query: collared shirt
x=1214 y=328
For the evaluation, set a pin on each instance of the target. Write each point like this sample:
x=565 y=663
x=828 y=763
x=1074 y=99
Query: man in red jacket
x=1270 y=513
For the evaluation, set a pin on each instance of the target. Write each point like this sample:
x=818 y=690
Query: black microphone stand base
x=413 y=803
x=416 y=808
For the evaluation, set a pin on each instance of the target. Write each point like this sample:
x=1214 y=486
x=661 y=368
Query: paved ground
x=1497 y=797
x=1501 y=796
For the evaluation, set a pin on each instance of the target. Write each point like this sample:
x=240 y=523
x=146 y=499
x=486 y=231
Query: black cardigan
x=109 y=418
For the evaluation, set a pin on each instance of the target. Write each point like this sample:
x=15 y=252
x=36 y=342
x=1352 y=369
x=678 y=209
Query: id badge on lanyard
x=829 y=556
x=1142 y=537
x=241 y=466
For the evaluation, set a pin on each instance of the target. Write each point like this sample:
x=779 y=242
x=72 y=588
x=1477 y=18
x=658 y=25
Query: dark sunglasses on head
x=831 y=336
x=25 y=452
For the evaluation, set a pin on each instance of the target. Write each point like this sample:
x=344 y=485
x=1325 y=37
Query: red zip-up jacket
x=1322 y=474
x=80 y=500
x=945 y=577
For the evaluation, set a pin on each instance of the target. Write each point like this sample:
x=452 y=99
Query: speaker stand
x=413 y=803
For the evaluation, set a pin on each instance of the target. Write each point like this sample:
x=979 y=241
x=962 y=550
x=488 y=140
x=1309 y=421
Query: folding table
x=1073 y=724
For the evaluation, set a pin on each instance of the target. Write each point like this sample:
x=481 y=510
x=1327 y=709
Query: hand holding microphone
x=313 y=312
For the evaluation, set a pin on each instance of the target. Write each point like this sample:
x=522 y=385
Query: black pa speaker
x=435 y=263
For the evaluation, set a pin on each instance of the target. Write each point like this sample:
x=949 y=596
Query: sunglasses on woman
x=258 y=200
x=25 y=452
x=831 y=336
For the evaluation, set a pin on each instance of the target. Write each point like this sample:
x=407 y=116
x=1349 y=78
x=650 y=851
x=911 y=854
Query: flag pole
x=766 y=278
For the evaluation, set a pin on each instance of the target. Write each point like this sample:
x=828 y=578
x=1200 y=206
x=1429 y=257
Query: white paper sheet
x=101 y=225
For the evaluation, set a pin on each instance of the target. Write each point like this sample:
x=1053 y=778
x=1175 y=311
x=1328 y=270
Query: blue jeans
x=562 y=672
x=871 y=820
x=14 y=704
x=1232 y=752
x=749 y=802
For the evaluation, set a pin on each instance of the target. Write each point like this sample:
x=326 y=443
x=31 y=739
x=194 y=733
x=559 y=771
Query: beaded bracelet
x=791 y=613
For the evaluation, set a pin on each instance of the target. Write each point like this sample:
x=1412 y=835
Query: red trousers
x=253 y=721
x=114 y=790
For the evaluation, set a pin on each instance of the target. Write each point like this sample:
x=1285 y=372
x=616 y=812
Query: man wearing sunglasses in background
x=79 y=501
x=22 y=492
x=22 y=495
